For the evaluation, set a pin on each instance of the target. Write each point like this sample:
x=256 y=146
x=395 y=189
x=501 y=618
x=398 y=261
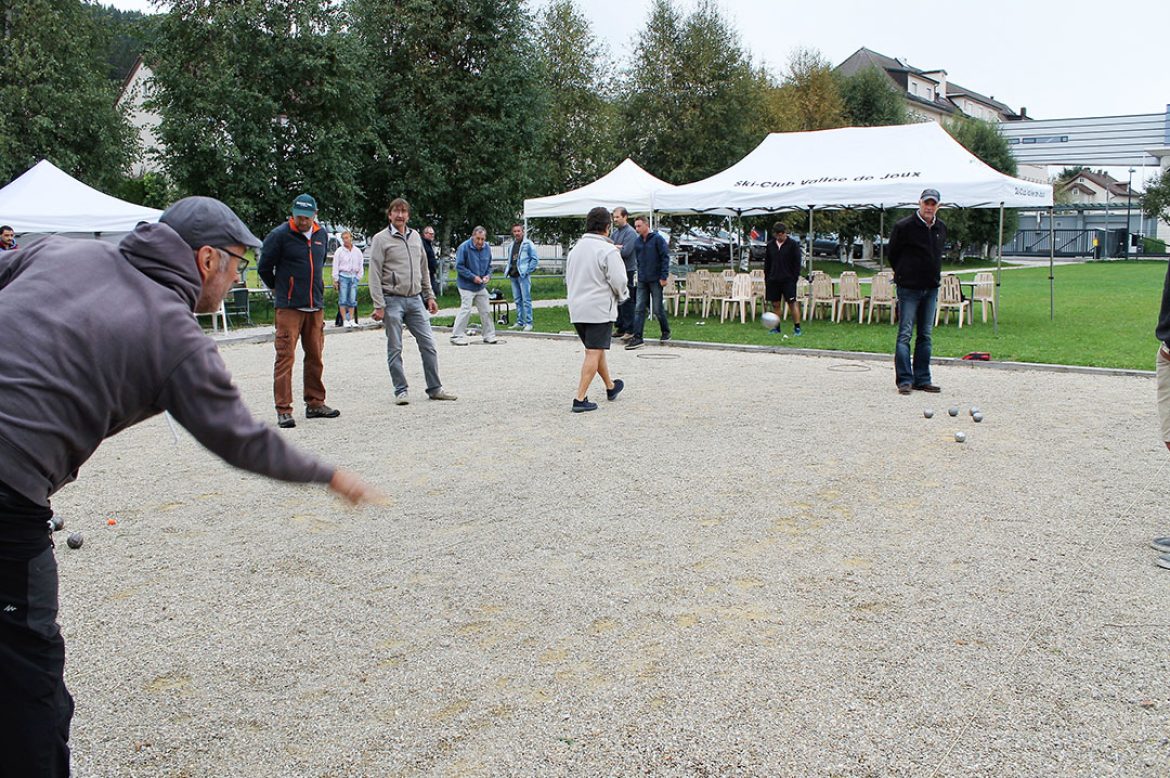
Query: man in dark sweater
x=781 y=271
x=292 y=265
x=652 y=255
x=916 y=249
x=120 y=348
x=428 y=240
x=1163 y=365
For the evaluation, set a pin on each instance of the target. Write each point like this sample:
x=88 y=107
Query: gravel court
x=750 y=564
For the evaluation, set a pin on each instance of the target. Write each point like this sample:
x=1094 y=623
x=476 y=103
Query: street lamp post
x=1128 y=205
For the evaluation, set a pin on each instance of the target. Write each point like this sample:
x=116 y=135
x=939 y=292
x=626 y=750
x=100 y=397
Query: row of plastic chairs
x=732 y=291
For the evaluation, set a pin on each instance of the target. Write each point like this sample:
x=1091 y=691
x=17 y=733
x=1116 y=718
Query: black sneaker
x=903 y=388
x=580 y=406
x=665 y=337
x=635 y=342
x=321 y=412
x=618 y=385
x=285 y=420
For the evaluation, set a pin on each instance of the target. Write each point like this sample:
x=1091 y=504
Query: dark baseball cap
x=304 y=205
x=930 y=194
x=205 y=221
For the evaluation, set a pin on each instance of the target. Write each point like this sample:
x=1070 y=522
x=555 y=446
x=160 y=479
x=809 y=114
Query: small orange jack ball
x=111 y=522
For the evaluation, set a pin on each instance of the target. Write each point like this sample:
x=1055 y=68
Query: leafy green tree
x=261 y=100
x=58 y=102
x=980 y=226
x=871 y=100
x=692 y=102
x=809 y=98
x=459 y=104
x=578 y=141
x=1156 y=200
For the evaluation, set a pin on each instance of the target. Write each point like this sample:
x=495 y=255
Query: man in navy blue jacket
x=292 y=265
x=653 y=259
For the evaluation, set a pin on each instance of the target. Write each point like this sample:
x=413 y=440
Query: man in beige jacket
x=398 y=275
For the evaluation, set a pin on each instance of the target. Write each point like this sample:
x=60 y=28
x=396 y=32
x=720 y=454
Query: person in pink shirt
x=347 y=274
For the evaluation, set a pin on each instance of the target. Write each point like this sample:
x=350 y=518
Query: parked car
x=335 y=231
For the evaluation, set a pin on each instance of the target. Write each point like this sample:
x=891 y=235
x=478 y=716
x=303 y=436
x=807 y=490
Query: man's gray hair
x=477 y=231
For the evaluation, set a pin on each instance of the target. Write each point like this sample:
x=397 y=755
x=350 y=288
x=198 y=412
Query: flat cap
x=205 y=221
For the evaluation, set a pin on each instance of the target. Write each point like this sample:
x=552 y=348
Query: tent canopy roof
x=627 y=185
x=47 y=199
x=854 y=167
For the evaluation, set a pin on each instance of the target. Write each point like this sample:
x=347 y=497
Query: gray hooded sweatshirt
x=100 y=337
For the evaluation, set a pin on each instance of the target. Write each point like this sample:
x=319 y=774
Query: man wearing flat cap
x=916 y=250
x=292 y=265
x=119 y=349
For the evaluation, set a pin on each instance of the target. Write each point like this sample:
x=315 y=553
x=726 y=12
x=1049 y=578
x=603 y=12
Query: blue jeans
x=522 y=297
x=412 y=312
x=915 y=306
x=648 y=292
x=347 y=294
x=625 y=319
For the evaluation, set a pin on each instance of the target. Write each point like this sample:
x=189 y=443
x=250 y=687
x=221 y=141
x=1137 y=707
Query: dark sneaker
x=774 y=331
x=580 y=406
x=321 y=412
x=665 y=337
x=619 y=384
x=797 y=332
x=634 y=343
x=928 y=388
x=1159 y=544
x=285 y=420
x=903 y=388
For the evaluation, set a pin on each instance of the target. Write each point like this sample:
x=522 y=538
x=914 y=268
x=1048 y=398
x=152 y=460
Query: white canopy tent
x=853 y=167
x=856 y=167
x=46 y=199
x=627 y=185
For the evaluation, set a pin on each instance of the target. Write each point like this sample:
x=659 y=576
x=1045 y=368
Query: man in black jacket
x=120 y=348
x=781 y=270
x=292 y=265
x=916 y=249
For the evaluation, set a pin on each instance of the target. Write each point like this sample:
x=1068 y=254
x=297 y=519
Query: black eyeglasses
x=242 y=262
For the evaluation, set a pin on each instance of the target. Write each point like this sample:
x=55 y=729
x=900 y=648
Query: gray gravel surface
x=749 y=564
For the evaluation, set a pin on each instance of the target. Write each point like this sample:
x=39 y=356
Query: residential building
x=930 y=94
x=1097 y=188
x=133 y=96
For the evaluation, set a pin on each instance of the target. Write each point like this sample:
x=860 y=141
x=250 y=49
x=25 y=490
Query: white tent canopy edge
x=46 y=199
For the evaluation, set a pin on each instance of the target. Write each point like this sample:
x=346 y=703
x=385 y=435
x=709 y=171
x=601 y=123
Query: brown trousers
x=309 y=327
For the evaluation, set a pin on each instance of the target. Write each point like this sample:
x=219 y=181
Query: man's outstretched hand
x=353 y=490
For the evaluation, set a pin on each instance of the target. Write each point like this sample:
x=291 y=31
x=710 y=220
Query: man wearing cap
x=916 y=249
x=292 y=265
x=121 y=348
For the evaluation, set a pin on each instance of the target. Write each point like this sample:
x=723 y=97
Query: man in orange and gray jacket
x=292 y=265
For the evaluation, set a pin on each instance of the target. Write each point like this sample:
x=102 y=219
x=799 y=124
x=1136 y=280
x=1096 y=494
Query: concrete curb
x=865 y=356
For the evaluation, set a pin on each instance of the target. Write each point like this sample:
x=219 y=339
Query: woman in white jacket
x=596 y=277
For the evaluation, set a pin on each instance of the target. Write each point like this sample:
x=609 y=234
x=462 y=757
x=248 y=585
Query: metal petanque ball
x=974 y=410
x=960 y=436
x=953 y=411
x=56 y=524
x=770 y=320
x=928 y=413
x=977 y=417
x=75 y=540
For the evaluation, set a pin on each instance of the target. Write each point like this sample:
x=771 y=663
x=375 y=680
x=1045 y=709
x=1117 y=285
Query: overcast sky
x=1058 y=59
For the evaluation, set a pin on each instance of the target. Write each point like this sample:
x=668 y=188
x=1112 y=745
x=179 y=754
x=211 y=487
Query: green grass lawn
x=1105 y=317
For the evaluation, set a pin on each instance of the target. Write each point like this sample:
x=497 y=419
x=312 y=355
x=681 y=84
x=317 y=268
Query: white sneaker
x=459 y=341
x=528 y=328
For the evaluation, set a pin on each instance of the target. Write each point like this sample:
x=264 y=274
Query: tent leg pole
x=811 y=239
x=1051 y=262
x=881 y=240
x=999 y=265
